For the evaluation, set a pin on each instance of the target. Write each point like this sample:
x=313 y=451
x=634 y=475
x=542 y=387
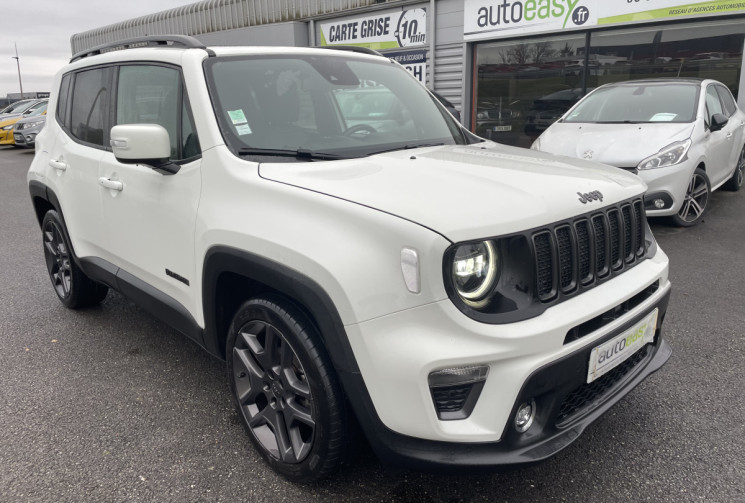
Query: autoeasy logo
x=524 y=13
x=622 y=344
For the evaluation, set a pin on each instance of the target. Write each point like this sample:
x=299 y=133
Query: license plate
x=502 y=128
x=614 y=352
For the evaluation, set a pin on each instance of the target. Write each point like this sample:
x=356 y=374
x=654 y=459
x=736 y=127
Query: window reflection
x=711 y=50
x=522 y=87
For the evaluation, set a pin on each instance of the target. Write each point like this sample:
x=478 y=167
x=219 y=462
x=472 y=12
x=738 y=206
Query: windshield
x=37 y=110
x=640 y=103
x=331 y=104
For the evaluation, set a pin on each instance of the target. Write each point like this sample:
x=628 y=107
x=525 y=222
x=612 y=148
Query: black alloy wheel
x=71 y=285
x=58 y=259
x=285 y=389
x=695 y=201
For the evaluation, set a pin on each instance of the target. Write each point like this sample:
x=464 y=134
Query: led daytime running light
x=668 y=156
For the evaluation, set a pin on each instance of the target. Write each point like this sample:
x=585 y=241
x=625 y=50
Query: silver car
x=26 y=129
x=19 y=108
x=683 y=137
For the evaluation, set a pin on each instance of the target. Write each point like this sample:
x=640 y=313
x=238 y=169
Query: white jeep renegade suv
x=318 y=220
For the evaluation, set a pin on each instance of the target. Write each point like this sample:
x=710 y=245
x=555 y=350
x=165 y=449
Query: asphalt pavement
x=110 y=405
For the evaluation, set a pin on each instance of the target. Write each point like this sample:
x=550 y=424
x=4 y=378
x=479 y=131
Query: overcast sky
x=42 y=30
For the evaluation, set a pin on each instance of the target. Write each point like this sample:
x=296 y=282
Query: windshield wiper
x=300 y=153
x=407 y=147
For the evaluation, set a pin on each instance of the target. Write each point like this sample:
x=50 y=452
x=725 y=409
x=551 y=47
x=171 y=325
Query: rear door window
x=89 y=118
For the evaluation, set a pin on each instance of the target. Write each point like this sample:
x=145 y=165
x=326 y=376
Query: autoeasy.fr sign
x=385 y=30
x=499 y=18
x=489 y=18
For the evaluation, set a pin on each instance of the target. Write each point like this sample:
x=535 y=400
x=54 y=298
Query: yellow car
x=6 y=125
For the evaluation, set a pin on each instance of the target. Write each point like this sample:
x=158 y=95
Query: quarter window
x=90 y=106
x=63 y=99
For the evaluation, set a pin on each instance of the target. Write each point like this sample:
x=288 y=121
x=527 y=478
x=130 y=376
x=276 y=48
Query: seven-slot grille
x=588 y=249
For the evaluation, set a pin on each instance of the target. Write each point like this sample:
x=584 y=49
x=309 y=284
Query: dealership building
x=511 y=66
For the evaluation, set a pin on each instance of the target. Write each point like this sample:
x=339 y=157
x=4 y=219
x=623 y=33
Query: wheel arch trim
x=284 y=280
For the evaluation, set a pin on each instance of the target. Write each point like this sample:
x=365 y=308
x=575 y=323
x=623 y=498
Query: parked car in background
x=8 y=122
x=26 y=129
x=684 y=138
x=548 y=109
x=498 y=120
x=19 y=108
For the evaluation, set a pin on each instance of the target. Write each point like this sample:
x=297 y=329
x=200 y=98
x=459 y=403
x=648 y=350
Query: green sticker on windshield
x=237 y=116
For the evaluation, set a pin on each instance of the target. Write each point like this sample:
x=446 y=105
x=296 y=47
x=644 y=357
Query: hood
x=5 y=118
x=621 y=145
x=465 y=192
x=34 y=118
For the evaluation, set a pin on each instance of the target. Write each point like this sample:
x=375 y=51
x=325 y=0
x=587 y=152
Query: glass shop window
x=710 y=50
x=523 y=87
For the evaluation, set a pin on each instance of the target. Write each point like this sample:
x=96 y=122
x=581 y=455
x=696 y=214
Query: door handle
x=58 y=165
x=108 y=183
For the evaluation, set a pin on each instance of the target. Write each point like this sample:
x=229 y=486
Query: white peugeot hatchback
x=319 y=221
x=684 y=138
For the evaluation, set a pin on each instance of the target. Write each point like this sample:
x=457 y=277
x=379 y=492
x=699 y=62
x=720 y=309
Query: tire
x=735 y=182
x=696 y=200
x=73 y=288
x=285 y=389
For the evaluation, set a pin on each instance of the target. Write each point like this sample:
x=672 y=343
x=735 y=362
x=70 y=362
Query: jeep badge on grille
x=587 y=197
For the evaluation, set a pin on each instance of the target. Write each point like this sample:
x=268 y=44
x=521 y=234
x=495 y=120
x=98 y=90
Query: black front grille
x=588 y=249
x=585 y=396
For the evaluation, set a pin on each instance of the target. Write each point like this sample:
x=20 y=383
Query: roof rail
x=352 y=48
x=176 y=41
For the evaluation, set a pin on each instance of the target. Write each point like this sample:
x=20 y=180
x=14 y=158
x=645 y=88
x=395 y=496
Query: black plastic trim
x=650 y=198
x=285 y=280
x=149 y=298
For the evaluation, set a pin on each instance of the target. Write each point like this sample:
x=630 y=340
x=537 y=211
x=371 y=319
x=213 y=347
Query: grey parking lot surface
x=109 y=404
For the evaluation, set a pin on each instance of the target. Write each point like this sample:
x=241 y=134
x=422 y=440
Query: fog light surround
x=525 y=415
x=456 y=390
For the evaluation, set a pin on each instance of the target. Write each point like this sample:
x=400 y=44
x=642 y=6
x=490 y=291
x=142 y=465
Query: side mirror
x=718 y=121
x=147 y=144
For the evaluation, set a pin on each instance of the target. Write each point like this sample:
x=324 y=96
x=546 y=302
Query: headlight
x=7 y=128
x=475 y=271
x=668 y=156
x=30 y=125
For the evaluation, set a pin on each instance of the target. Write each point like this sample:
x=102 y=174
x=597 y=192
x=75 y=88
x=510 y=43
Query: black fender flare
x=284 y=280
